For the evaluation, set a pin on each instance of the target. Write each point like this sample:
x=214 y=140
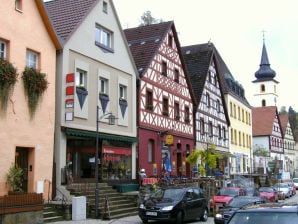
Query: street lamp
x=111 y=118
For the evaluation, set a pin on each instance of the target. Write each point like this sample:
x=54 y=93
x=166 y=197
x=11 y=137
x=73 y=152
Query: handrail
x=64 y=202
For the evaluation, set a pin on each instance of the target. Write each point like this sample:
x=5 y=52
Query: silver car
x=284 y=188
x=295 y=181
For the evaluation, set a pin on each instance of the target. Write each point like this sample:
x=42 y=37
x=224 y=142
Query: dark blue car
x=235 y=204
x=175 y=204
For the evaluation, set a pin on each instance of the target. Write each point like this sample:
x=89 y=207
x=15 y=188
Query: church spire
x=264 y=72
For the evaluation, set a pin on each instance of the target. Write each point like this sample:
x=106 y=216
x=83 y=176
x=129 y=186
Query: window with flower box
x=103 y=86
x=32 y=59
x=81 y=79
x=3 y=49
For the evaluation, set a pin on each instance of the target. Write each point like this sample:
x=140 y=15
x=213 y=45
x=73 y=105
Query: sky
x=237 y=28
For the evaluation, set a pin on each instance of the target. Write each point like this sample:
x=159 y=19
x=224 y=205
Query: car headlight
x=218 y=216
x=167 y=208
x=142 y=206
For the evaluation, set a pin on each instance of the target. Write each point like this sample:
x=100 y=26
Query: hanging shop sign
x=169 y=139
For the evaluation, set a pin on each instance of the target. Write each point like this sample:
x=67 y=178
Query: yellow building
x=28 y=40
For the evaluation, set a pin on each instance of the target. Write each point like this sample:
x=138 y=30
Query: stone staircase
x=119 y=204
x=52 y=213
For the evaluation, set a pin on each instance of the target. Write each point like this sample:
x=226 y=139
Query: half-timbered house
x=165 y=101
x=267 y=138
x=211 y=116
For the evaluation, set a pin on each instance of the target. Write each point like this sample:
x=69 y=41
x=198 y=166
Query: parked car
x=236 y=203
x=264 y=214
x=175 y=204
x=224 y=195
x=284 y=188
x=295 y=181
x=270 y=193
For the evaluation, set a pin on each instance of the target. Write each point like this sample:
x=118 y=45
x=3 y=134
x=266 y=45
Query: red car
x=270 y=193
x=224 y=195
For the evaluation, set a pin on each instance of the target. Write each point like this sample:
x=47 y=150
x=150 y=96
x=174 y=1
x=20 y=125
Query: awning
x=90 y=134
x=225 y=154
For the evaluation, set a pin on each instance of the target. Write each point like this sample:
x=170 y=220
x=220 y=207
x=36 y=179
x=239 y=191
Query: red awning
x=118 y=151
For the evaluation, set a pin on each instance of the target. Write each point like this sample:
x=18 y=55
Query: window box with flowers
x=104 y=100
x=8 y=78
x=123 y=105
x=82 y=93
x=35 y=84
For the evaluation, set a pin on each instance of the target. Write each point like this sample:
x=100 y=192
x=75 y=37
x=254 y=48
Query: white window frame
x=3 y=49
x=103 y=38
x=122 y=92
x=103 y=85
x=32 y=59
x=81 y=78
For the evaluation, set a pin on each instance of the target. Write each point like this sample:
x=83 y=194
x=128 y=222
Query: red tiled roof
x=144 y=42
x=284 y=119
x=263 y=120
x=67 y=15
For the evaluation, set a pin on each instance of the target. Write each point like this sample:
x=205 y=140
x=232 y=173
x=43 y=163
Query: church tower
x=265 y=86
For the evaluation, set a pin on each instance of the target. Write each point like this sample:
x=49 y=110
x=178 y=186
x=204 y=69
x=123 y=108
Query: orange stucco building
x=27 y=39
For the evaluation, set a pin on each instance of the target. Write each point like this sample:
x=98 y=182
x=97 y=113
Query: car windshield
x=227 y=192
x=264 y=218
x=266 y=189
x=173 y=193
x=295 y=180
x=240 y=202
x=281 y=185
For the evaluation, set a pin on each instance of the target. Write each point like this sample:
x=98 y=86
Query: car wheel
x=179 y=218
x=204 y=217
x=145 y=220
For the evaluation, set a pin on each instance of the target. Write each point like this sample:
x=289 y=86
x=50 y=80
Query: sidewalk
x=128 y=220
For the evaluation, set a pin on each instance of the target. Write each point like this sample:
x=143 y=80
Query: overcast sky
x=235 y=28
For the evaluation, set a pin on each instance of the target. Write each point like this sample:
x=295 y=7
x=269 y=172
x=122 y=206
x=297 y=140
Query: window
x=103 y=86
x=208 y=100
x=239 y=115
x=105 y=7
x=231 y=109
x=202 y=126
x=219 y=132
x=210 y=77
x=123 y=92
x=243 y=115
x=103 y=38
x=170 y=40
x=187 y=119
x=165 y=107
x=81 y=79
x=262 y=88
x=176 y=79
x=164 y=68
x=149 y=101
x=210 y=127
x=177 y=111
x=151 y=151
x=263 y=103
x=218 y=105
x=32 y=59
x=19 y=5
x=3 y=49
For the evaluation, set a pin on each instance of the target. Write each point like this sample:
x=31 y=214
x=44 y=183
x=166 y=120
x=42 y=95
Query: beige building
x=95 y=74
x=26 y=39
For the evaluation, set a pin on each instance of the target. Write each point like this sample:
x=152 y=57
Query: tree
x=148 y=19
x=293 y=119
x=208 y=158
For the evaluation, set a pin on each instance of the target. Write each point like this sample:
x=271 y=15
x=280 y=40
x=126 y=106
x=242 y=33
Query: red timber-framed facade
x=211 y=116
x=165 y=101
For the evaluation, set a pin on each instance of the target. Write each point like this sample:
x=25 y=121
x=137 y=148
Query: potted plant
x=8 y=77
x=14 y=178
x=35 y=84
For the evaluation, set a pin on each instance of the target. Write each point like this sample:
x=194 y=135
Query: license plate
x=151 y=213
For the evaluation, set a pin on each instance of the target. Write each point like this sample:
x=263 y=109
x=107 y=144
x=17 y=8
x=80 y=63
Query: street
x=137 y=220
